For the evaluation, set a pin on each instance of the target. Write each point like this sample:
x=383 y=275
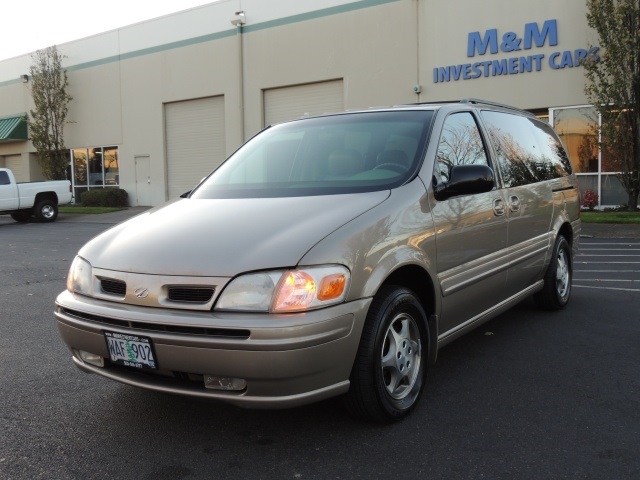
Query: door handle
x=514 y=203
x=498 y=207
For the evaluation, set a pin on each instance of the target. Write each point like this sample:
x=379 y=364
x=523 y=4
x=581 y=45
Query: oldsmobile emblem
x=141 y=293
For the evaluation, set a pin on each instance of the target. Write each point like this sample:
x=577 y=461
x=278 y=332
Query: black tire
x=557 y=279
x=389 y=372
x=21 y=216
x=46 y=211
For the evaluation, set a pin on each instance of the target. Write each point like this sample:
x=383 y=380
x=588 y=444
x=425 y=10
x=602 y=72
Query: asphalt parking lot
x=528 y=395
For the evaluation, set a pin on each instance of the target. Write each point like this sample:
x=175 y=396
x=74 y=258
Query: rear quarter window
x=528 y=150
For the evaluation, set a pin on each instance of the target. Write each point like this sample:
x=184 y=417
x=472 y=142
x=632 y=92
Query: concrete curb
x=602 y=230
x=106 y=218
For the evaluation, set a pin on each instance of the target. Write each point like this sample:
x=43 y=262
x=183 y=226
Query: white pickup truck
x=40 y=199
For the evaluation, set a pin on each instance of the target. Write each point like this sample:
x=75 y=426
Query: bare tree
x=51 y=100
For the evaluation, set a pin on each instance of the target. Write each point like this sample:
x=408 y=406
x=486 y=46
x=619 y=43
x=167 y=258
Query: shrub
x=105 y=197
x=590 y=199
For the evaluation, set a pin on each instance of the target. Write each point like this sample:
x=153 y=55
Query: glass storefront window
x=577 y=127
x=111 y=166
x=94 y=167
x=96 y=176
x=79 y=166
x=587 y=182
x=595 y=167
x=609 y=162
x=613 y=193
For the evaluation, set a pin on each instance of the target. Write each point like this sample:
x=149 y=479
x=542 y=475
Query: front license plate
x=131 y=350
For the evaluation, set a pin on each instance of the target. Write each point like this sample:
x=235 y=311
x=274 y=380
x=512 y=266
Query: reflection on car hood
x=224 y=237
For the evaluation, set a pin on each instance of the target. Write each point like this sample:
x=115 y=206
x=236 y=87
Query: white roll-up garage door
x=14 y=163
x=287 y=103
x=195 y=141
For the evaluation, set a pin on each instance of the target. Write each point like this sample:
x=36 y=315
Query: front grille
x=156 y=327
x=113 y=287
x=190 y=294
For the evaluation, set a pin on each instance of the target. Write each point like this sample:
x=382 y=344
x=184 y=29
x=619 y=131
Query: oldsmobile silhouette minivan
x=331 y=255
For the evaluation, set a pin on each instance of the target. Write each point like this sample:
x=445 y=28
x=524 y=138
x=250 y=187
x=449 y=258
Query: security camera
x=239 y=19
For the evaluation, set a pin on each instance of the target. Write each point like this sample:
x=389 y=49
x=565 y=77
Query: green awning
x=13 y=129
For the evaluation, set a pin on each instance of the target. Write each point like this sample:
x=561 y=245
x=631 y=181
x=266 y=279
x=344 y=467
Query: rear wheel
x=557 y=279
x=21 y=216
x=389 y=371
x=46 y=210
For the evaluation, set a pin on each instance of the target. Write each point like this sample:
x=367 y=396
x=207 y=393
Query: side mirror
x=465 y=180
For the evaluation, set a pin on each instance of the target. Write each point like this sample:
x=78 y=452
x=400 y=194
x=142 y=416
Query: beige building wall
x=378 y=50
x=444 y=33
x=150 y=81
x=373 y=50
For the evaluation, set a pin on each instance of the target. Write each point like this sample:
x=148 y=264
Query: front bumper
x=286 y=360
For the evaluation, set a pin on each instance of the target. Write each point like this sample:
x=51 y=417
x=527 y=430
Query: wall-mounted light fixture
x=238 y=19
x=24 y=78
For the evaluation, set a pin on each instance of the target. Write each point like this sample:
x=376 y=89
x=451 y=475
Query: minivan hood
x=224 y=237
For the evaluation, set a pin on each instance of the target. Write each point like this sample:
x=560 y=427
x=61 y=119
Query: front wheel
x=389 y=371
x=46 y=211
x=557 y=279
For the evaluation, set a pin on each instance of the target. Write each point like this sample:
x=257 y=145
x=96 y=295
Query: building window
x=578 y=129
x=95 y=167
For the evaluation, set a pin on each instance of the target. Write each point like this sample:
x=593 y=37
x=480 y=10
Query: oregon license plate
x=130 y=350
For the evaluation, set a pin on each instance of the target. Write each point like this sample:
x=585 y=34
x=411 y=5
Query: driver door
x=471 y=231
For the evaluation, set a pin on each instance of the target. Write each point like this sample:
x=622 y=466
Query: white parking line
x=623 y=243
x=608 y=249
x=594 y=258
x=607 y=271
x=608 y=263
x=596 y=251
x=604 y=280
x=610 y=255
x=608 y=288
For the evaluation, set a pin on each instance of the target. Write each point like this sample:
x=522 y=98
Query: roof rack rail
x=495 y=104
x=442 y=102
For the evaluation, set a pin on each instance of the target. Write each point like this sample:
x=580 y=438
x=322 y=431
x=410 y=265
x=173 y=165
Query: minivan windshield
x=346 y=153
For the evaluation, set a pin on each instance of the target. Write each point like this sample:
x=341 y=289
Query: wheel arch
x=567 y=232
x=50 y=196
x=417 y=279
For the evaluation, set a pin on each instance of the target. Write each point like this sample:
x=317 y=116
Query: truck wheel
x=21 y=216
x=557 y=279
x=389 y=371
x=46 y=211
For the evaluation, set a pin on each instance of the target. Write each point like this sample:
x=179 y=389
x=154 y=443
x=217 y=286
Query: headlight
x=286 y=291
x=80 y=277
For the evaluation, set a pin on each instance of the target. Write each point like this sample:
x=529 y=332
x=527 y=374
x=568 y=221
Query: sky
x=30 y=25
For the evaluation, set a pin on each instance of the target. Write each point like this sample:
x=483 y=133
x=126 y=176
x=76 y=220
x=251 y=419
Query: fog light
x=224 y=383
x=91 y=358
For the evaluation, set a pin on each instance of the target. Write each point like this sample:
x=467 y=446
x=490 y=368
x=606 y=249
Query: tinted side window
x=552 y=149
x=4 y=178
x=528 y=151
x=460 y=144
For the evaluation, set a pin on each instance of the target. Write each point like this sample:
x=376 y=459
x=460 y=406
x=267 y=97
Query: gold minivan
x=331 y=256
